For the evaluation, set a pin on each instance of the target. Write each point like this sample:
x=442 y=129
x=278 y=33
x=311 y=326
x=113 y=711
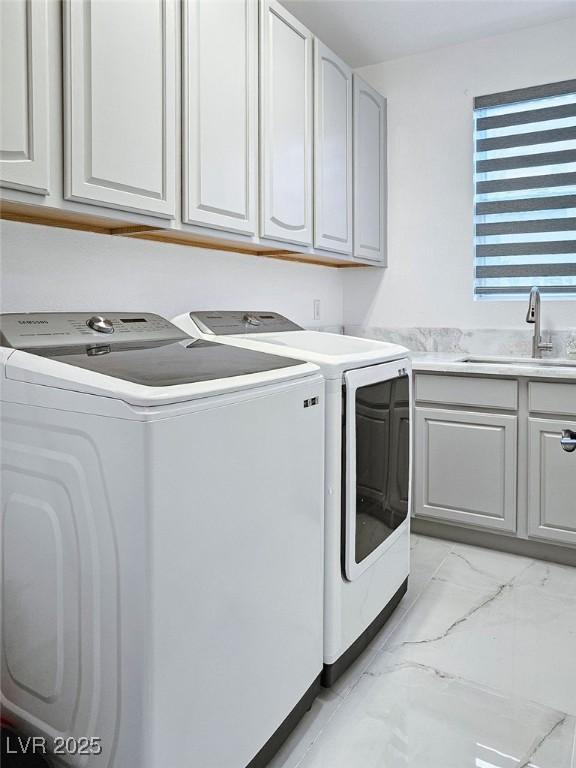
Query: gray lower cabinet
x=487 y=456
x=466 y=467
x=551 y=482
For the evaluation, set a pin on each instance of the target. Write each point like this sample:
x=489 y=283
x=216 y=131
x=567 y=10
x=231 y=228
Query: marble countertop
x=454 y=362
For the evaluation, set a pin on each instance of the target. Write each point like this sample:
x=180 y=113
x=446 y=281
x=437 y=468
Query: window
x=525 y=192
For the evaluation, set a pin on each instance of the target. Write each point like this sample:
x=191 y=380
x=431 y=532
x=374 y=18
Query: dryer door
x=376 y=460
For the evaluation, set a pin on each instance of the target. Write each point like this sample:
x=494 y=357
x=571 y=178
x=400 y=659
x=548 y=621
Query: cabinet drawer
x=469 y=391
x=552 y=398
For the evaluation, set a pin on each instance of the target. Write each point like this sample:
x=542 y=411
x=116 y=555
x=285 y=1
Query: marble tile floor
x=476 y=669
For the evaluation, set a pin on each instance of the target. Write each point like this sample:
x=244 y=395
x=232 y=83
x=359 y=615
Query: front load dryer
x=162 y=542
x=368 y=460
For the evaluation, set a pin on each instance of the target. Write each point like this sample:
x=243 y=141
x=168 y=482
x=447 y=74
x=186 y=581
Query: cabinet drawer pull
x=568 y=440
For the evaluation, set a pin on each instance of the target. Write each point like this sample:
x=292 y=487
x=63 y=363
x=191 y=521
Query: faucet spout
x=533 y=318
x=533 y=314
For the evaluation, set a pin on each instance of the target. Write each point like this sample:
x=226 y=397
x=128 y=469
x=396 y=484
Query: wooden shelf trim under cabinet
x=55 y=217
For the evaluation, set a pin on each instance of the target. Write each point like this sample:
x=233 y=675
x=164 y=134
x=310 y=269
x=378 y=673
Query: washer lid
x=143 y=360
x=333 y=352
x=331 y=345
x=166 y=364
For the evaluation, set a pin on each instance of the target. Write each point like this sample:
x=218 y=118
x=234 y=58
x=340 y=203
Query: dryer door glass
x=382 y=458
x=378 y=471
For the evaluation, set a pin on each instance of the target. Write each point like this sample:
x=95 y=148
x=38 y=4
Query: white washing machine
x=162 y=544
x=368 y=461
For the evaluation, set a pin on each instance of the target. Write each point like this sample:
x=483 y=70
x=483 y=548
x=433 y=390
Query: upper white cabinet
x=332 y=151
x=369 y=118
x=120 y=104
x=220 y=114
x=24 y=87
x=286 y=126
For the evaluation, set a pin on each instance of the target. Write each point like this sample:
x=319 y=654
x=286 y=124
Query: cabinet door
x=286 y=126
x=332 y=151
x=220 y=111
x=24 y=87
x=369 y=173
x=465 y=468
x=551 y=482
x=120 y=106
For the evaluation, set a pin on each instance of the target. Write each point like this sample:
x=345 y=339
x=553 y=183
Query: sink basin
x=539 y=362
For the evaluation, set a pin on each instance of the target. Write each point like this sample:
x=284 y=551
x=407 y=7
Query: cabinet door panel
x=332 y=151
x=465 y=467
x=551 y=482
x=220 y=110
x=24 y=85
x=120 y=76
x=286 y=126
x=369 y=173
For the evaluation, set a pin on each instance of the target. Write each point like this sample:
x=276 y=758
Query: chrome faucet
x=533 y=317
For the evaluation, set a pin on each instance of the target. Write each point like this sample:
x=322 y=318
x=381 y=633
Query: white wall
x=45 y=269
x=429 y=280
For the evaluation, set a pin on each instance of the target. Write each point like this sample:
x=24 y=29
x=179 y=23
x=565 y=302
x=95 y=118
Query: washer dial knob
x=100 y=324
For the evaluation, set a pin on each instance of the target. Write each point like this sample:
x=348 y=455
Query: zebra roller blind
x=525 y=192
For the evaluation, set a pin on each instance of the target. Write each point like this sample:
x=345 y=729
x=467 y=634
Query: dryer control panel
x=62 y=329
x=230 y=322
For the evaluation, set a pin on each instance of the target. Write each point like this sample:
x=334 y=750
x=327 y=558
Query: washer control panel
x=230 y=323
x=59 y=329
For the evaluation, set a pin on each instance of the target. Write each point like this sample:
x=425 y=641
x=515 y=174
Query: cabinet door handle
x=568 y=440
